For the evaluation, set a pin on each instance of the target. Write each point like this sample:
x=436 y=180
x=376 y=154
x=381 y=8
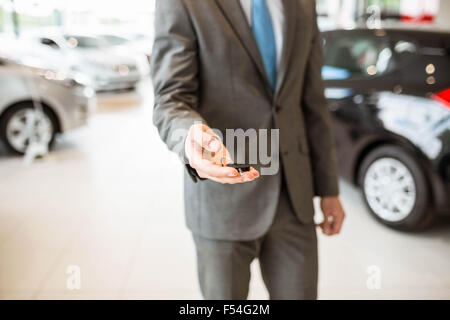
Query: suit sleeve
x=318 y=122
x=175 y=76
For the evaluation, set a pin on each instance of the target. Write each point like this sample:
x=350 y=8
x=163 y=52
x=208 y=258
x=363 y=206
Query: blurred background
x=91 y=201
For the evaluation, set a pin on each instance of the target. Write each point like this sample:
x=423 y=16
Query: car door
x=358 y=65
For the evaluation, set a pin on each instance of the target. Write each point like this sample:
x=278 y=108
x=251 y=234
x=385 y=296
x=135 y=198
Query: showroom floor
x=108 y=203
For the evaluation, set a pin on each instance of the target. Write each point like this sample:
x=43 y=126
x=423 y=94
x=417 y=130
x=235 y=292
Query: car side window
x=355 y=56
x=49 y=42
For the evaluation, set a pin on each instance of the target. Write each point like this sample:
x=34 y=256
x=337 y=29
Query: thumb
x=205 y=139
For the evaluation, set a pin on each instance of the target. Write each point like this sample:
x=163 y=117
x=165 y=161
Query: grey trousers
x=287 y=255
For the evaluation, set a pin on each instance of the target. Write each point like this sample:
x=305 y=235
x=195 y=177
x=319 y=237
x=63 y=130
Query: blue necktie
x=262 y=28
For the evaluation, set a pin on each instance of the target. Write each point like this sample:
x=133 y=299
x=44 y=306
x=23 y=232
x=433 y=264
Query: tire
x=47 y=122
x=395 y=189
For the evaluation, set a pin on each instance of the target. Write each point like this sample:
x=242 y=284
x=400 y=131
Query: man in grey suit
x=250 y=65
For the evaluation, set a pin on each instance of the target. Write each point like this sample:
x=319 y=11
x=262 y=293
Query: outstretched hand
x=209 y=157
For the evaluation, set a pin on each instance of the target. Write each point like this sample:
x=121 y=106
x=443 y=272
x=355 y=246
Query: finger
x=337 y=225
x=327 y=226
x=254 y=172
x=250 y=175
x=206 y=139
x=197 y=153
x=244 y=178
x=211 y=170
x=324 y=228
x=232 y=181
x=226 y=157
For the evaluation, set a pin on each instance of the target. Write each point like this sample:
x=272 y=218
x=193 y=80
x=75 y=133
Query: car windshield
x=114 y=40
x=352 y=56
x=85 y=42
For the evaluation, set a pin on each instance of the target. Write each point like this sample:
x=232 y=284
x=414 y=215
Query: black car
x=389 y=92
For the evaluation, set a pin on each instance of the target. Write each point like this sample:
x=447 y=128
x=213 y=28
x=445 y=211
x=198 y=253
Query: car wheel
x=22 y=124
x=395 y=188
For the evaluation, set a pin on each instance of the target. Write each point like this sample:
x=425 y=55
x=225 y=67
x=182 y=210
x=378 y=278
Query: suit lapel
x=235 y=15
x=290 y=29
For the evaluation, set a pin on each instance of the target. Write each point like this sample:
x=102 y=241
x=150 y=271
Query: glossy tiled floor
x=108 y=201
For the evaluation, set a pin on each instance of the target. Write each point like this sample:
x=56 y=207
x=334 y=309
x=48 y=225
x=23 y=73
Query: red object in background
x=443 y=97
x=419 y=11
x=425 y=18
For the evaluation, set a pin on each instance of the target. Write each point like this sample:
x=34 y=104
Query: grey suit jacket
x=206 y=66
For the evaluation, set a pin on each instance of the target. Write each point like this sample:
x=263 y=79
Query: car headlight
x=70 y=81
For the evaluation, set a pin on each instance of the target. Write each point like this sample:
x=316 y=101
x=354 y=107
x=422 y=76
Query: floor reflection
x=108 y=199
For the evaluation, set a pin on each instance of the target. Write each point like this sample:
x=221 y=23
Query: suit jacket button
x=277 y=108
x=285 y=152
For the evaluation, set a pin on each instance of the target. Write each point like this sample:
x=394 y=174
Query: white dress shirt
x=278 y=20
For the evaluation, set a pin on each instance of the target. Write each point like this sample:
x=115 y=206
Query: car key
x=241 y=168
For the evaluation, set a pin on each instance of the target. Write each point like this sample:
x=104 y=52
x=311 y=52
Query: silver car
x=37 y=104
x=109 y=68
x=137 y=43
